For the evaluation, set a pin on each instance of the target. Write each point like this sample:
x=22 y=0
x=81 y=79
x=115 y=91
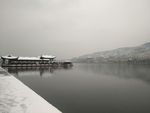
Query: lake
x=91 y=88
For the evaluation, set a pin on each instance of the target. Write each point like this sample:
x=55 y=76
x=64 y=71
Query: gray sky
x=68 y=28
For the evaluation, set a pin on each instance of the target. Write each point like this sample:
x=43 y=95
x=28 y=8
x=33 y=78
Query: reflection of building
x=17 y=71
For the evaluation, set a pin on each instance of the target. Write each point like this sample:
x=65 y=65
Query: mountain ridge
x=124 y=54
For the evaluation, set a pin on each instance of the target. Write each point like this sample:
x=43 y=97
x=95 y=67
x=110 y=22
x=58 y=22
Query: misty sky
x=69 y=28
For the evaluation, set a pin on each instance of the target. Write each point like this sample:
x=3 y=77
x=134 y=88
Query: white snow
x=29 y=58
x=10 y=57
x=142 y=51
x=48 y=56
x=15 y=97
x=45 y=57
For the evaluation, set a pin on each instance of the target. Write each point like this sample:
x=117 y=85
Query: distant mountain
x=127 y=54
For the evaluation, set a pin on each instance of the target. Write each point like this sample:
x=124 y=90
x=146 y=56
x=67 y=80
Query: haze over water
x=96 y=88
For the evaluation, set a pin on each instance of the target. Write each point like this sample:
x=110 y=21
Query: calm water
x=92 y=88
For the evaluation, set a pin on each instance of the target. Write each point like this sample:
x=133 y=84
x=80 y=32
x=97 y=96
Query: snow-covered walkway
x=15 y=97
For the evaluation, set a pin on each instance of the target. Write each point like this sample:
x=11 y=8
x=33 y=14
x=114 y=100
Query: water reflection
x=91 y=88
x=19 y=71
x=126 y=71
x=3 y=72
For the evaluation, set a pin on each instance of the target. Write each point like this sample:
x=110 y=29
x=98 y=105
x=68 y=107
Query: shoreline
x=16 y=97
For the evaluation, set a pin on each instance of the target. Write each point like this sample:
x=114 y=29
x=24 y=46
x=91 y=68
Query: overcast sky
x=69 y=28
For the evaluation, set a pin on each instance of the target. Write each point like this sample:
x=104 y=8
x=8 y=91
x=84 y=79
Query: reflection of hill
x=17 y=71
x=141 y=72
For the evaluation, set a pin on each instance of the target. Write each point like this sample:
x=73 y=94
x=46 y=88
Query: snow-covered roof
x=48 y=56
x=9 y=57
x=30 y=58
x=43 y=57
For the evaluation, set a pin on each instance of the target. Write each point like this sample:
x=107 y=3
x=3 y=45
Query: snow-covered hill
x=141 y=52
